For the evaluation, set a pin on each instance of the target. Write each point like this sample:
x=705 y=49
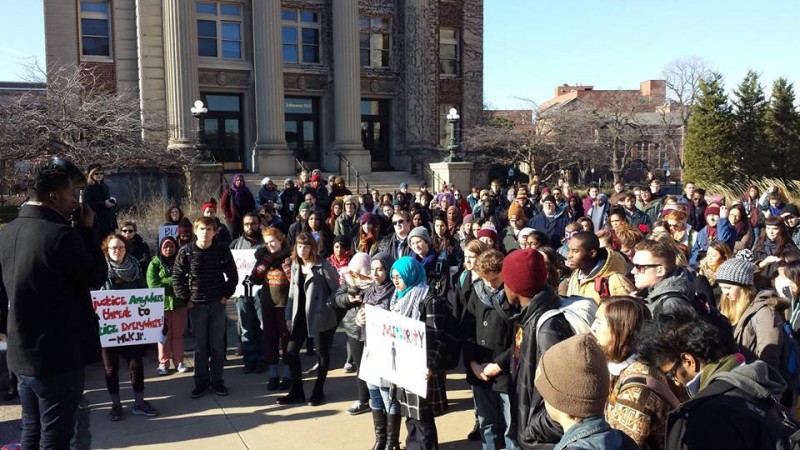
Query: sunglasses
x=128 y=230
x=643 y=267
x=398 y=222
x=673 y=371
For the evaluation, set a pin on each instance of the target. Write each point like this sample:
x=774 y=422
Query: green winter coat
x=157 y=276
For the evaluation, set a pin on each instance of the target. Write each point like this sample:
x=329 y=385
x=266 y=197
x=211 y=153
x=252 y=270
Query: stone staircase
x=382 y=181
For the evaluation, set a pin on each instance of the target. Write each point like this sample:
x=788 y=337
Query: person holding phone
x=98 y=196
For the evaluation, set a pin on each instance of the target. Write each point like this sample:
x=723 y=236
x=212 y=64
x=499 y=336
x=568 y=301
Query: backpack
x=579 y=312
x=790 y=355
x=645 y=380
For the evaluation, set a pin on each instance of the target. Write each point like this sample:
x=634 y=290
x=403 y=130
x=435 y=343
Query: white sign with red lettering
x=129 y=316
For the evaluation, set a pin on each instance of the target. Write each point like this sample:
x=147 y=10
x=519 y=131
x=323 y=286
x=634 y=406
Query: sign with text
x=167 y=230
x=129 y=316
x=245 y=260
x=395 y=351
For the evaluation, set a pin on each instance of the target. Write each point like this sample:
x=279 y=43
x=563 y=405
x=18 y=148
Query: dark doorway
x=301 y=128
x=375 y=131
x=223 y=129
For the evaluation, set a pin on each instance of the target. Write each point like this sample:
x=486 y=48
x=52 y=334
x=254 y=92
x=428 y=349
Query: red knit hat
x=524 y=272
x=210 y=204
x=712 y=209
x=487 y=232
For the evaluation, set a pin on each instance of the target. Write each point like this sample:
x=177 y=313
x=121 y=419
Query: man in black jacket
x=48 y=269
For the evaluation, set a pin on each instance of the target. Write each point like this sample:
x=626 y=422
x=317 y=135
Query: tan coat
x=614 y=269
x=759 y=333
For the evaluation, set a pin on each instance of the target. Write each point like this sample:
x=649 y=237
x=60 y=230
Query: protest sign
x=129 y=316
x=245 y=260
x=395 y=351
x=167 y=230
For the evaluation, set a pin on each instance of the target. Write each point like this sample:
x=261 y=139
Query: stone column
x=270 y=152
x=347 y=85
x=180 y=65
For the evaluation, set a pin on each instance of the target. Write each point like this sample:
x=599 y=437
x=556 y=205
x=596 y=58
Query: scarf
x=340 y=264
x=239 y=193
x=712 y=233
x=125 y=272
x=410 y=303
x=741 y=228
x=167 y=263
x=487 y=294
x=381 y=294
x=411 y=271
x=770 y=247
x=452 y=224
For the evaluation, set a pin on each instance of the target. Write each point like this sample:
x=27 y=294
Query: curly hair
x=668 y=335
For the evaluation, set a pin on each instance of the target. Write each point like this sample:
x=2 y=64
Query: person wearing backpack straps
x=733 y=405
x=598 y=272
x=640 y=397
x=528 y=297
x=758 y=326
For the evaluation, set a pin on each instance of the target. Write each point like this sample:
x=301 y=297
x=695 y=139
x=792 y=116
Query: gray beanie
x=420 y=232
x=736 y=271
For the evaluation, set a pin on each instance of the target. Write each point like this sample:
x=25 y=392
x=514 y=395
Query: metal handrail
x=348 y=169
x=435 y=180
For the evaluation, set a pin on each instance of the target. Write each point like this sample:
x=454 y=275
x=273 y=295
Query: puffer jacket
x=351 y=328
x=758 y=333
x=614 y=268
x=673 y=292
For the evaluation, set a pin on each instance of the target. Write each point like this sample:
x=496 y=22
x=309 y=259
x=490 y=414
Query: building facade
x=371 y=80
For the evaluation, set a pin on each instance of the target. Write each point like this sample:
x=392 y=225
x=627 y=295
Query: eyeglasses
x=673 y=371
x=643 y=267
x=98 y=174
x=398 y=222
x=128 y=230
x=119 y=247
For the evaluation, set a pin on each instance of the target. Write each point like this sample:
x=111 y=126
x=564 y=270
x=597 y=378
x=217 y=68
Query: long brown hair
x=305 y=239
x=625 y=316
x=782 y=241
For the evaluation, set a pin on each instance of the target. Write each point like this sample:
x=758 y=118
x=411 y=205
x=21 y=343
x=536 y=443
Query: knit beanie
x=790 y=209
x=573 y=376
x=343 y=241
x=488 y=232
x=265 y=181
x=516 y=210
x=366 y=218
x=304 y=205
x=350 y=199
x=524 y=233
x=420 y=232
x=712 y=210
x=736 y=271
x=524 y=272
x=209 y=204
x=549 y=198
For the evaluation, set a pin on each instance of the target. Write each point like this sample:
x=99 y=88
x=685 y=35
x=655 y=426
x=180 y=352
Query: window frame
x=219 y=20
x=456 y=42
x=298 y=25
x=373 y=31
x=96 y=16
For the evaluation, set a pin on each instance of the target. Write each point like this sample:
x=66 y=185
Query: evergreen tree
x=750 y=119
x=783 y=131
x=709 y=155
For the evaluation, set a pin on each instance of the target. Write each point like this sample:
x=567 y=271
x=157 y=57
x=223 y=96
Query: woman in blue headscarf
x=414 y=299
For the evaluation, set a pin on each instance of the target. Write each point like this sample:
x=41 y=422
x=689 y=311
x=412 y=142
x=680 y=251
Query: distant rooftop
x=9 y=86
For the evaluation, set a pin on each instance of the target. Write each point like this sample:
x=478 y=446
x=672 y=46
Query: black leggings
x=133 y=354
x=356 y=350
x=324 y=342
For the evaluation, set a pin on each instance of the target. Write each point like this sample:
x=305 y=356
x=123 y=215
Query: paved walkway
x=246 y=419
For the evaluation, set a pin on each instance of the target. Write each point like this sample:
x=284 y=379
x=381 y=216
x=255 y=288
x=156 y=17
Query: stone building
x=308 y=79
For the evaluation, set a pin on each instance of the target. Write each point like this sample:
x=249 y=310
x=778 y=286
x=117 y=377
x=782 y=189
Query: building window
x=448 y=51
x=219 y=30
x=95 y=29
x=300 y=36
x=375 y=41
x=444 y=127
x=223 y=129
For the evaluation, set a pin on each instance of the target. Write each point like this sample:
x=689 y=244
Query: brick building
x=307 y=79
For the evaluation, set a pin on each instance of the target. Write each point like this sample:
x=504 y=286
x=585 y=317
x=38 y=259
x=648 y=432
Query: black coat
x=48 y=270
x=141 y=251
x=487 y=336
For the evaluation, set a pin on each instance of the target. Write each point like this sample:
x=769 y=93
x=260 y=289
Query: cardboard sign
x=245 y=261
x=395 y=351
x=167 y=230
x=129 y=316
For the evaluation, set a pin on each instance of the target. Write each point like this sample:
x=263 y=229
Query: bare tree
x=85 y=120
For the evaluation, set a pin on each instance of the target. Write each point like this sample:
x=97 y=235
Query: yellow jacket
x=614 y=269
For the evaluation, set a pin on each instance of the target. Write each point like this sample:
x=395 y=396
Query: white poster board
x=395 y=351
x=245 y=261
x=167 y=230
x=129 y=316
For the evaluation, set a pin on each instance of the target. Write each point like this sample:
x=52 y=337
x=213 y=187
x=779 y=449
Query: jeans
x=208 y=321
x=494 y=418
x=251 y=323
x=380 y=398
x=49 y=406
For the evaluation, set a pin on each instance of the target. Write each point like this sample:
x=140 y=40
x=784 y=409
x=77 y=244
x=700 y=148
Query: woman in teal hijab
x=411 y=274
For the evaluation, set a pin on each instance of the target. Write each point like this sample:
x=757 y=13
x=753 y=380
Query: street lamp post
x=452 y=118
x=199 y=111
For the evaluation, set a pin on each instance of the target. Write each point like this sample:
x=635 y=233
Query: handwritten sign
x=395 y=351
x=245 y=260
x=129 y=316
x=167 y=230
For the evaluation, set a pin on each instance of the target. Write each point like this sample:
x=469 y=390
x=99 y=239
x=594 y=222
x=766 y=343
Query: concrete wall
x=61 y=32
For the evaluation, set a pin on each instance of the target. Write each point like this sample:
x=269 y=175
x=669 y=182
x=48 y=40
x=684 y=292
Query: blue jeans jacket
x=593 y=433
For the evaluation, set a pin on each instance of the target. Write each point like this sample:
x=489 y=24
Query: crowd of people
x=620 y=320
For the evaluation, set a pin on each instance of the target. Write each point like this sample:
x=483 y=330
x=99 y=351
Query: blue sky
x=532 y=46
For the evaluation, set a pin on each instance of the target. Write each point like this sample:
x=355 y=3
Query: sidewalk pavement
x=248 y=418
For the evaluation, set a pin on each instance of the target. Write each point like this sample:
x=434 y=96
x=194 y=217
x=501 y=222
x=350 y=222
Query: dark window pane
x=447 y=51
x=207 y=28
x=230 y=10
x=206 y=8
x=310 y=54
x=290 y=132
x=231 y=49
x=380 y=23
x=231 y=31
x=308 y=135
x=308 y=17
x=363 y=39
x=290 y=53
x=289 y=14
x=363 y=22
x=385 y=58
x=223 y=102
x=364 y=57
x=207 y=47
x=232 y=141
x=289 y=35
x=448 y=67
x=310 y=36
x=94 y=27
x=95 y=7
x=96 y=46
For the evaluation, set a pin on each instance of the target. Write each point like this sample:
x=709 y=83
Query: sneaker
x=116 y=412
x=162 y=370
x=144 y=409
x=349 y=368
x=316 y=399
x=358 y=408
x=285 y=384
x=219 y=389
x=272 y=384
x=182 y=368
x=199 y=390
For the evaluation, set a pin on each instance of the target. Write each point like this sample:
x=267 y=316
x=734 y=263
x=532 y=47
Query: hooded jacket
x=725 y=233
x=734 y=411
x=671 y=293
x=613 y=268
x=759 y=332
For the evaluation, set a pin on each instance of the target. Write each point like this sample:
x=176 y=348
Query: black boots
x=393 y=432
x=295 y=395
x=379 y=421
